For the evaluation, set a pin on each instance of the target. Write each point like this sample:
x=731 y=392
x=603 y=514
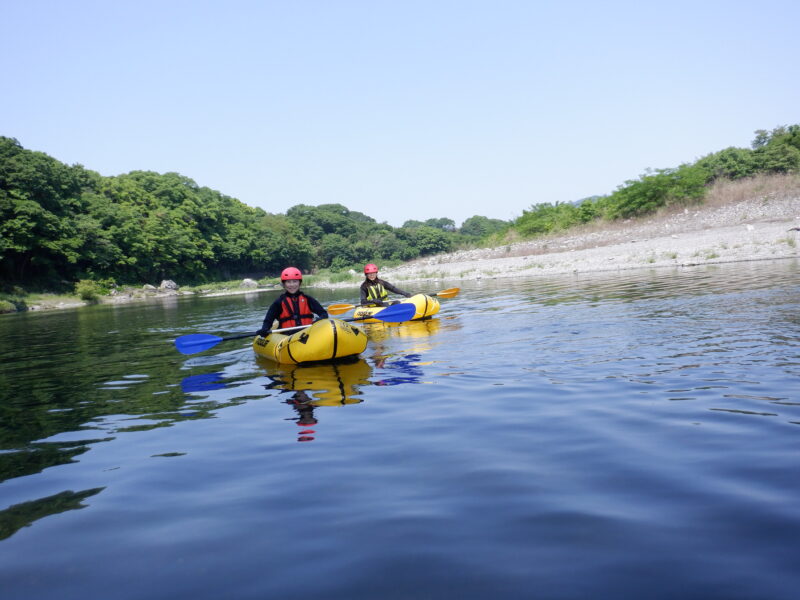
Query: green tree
x=479 y=227
x=778 y=158
x=40 y=199
x=444 y=224
x=412 y=224
x=730 y=163
x=336 y=251
x=659 y=188
x=547 y=218
x=427 y=240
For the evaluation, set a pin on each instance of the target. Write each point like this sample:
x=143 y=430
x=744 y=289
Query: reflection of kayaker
x=329 y=384
x=304 y=407
x=409 y=329
x=420 y=334
x=410 y=361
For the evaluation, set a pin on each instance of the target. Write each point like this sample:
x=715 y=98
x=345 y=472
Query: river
x=621 y=435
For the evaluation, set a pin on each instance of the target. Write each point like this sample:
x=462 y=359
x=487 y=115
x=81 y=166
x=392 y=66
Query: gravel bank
x=762 y=228
x=759 y=228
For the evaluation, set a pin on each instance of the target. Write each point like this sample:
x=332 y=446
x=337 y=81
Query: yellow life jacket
x=376 y=292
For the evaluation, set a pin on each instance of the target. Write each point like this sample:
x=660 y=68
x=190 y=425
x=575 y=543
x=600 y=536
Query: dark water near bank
x=617 y=436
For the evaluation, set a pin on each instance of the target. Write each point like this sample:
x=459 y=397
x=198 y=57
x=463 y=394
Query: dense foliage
x=777 y=151
x=61 y=224
x=64 y=224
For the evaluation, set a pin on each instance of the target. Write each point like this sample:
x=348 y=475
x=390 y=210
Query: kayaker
x=293 y=307
x=373 y=290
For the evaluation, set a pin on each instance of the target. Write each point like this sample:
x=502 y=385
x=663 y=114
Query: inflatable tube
x=426 y=306
x=325 y=340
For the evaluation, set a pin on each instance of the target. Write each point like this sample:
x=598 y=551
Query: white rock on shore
x=756 y=229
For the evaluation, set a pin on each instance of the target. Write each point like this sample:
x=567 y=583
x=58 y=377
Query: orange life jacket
x=295 y=311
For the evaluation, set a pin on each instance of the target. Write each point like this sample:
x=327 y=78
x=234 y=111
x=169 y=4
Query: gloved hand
x=263 y=332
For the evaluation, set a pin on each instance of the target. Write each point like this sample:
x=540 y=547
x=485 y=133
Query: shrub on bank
x=90 y=290
x=12 y=299
x=87 y=290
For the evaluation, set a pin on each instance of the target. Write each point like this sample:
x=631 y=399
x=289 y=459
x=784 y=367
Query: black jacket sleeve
x=317 y=308
x=272 y=313
x=395 y=290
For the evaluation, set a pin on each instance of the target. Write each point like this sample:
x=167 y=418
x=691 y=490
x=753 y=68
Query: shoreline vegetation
x=66 y=229
x=749 y=220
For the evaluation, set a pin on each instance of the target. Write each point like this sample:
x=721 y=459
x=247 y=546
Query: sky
x=400 y=110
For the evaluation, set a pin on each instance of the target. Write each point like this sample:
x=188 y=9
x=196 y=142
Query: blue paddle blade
x=397 y=313
x=196 y=342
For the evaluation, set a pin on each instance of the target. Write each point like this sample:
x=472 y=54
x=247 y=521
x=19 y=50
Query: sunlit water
x=620 y=436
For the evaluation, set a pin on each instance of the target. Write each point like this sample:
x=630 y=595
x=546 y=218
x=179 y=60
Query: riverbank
x=760 y=227
x=737 y=223
x=127 y=295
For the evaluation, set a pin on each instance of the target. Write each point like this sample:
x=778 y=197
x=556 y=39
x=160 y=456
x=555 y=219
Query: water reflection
x=306 y=387
x=203 y=382
x=397 y=364
x=303 y=405
x=383 y=337
x=37 y=457
x=638 y=400
x=24 y=514
x=400 y=369
x=341 y=383
x=377 y=332
x=315 y=385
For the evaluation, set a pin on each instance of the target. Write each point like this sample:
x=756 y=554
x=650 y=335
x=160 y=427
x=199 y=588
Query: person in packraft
x=375 y=291
x=293 y=307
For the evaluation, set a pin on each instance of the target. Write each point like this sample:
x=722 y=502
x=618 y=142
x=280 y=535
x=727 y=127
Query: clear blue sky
x=401 y=110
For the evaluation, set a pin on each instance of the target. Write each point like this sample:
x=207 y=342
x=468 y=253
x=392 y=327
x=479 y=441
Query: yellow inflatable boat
x=426 y=306
x=327 y=339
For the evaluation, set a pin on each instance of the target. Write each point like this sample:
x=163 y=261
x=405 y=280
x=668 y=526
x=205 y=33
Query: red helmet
x=291 y=273
x=370 y=268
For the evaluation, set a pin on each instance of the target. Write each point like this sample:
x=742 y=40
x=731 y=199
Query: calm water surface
x=633 y=435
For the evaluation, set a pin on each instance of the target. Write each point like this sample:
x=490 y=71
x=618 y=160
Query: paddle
x=338 y=309
x=448 y=293
x=199 y=342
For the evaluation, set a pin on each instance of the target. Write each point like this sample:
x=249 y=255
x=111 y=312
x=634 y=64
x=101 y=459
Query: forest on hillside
x=60 y=224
